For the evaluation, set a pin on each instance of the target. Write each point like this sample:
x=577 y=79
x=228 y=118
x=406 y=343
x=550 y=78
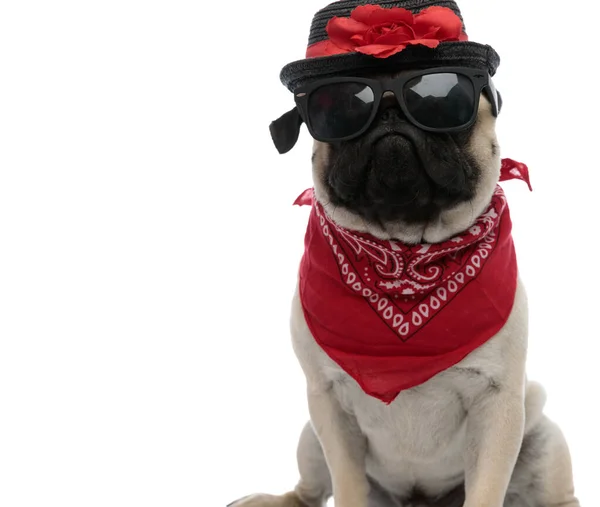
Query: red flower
x=373 y=30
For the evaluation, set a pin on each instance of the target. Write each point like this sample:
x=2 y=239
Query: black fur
x=396 y=171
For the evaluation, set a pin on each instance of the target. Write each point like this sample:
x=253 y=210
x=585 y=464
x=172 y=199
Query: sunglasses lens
x=440 y=101
x=340 y=110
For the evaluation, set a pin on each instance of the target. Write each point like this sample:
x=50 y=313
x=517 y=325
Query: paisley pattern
x=393 y=315
x=407 y=285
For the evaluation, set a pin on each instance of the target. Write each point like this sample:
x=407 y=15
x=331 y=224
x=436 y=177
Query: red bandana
x=393 y=315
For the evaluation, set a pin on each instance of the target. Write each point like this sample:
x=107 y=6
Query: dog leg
x=314 y=487
x=343 y=444
x=260 y=500
x=495 y=426
x=344 y=448
x=558 y=488
x=543 y=475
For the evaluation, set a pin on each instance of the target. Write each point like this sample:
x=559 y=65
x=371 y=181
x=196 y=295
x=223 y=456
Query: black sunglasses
x=442 y=99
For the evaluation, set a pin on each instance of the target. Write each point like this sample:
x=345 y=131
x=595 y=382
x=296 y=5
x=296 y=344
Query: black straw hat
x=344 y=39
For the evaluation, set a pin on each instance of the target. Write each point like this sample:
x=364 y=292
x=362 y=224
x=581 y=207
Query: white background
x=148 y=243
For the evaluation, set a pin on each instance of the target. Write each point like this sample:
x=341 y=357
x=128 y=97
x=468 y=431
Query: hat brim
x=467 y=54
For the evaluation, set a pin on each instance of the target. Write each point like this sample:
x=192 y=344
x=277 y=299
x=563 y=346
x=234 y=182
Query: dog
x=473 y=434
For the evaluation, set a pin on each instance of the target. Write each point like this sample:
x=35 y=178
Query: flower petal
x=432 y=34
x=449 y=24
x=380 y=50
x=341 y=30
x=430 y=43
x=397 y=36
x=370 y=36
x=358 y=39
x=324 y=48
x=375 y=15
x=363 y=13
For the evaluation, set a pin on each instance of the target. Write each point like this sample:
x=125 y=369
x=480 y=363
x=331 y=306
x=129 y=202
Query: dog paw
x=260 y=500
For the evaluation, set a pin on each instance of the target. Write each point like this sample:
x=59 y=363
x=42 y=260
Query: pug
x=409 y=319
x=473 y=434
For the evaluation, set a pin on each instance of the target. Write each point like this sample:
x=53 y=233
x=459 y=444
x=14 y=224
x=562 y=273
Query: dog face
x=398 y=181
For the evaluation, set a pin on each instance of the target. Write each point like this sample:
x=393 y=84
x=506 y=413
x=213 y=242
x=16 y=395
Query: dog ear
x=286 y=130
x=499 y=101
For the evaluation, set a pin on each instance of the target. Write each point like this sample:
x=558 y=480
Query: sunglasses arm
x=494 y=97
x=286 y=130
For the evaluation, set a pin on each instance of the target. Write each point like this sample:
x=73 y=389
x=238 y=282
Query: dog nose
x=391 y=113
x=390 y=109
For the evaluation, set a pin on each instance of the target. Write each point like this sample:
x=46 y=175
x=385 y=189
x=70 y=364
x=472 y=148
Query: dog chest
x=423 y=423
